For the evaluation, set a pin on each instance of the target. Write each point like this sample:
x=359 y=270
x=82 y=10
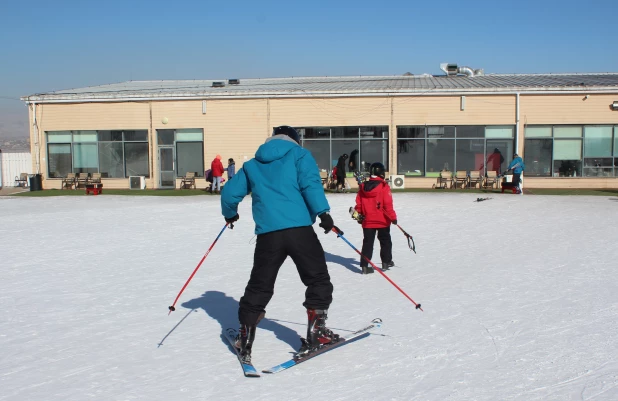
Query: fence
x=11 y=165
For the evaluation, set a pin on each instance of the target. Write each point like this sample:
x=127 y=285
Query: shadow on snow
x=224 y=310
x=352 y=264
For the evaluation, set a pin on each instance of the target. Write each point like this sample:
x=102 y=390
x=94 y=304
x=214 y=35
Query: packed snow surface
x=519 y=296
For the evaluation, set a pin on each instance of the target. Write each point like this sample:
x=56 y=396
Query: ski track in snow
x=518 y=295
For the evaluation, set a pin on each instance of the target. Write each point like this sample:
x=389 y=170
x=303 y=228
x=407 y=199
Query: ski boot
x=244 y=341
x=388 y=265
x=318 y=335
x=367 y=269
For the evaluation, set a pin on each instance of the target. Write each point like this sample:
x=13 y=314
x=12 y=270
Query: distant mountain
x=15 y=145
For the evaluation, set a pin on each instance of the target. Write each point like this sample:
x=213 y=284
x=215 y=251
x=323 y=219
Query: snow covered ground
x=519 y=296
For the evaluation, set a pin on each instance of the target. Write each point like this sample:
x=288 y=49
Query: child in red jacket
x=374 y=201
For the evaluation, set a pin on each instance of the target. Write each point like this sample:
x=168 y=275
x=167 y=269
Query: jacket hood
x=370 y=186
x=274 y=149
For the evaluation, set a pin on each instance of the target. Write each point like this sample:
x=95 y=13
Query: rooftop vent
x=233 y=81
x=452 y=70
x=218 y=84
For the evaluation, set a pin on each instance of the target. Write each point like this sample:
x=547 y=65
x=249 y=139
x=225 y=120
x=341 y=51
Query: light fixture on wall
x=614 y=106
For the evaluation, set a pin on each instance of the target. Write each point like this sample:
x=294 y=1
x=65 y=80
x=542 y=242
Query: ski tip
x=377 y=320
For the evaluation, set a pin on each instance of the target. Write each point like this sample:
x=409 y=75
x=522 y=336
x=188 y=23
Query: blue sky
x=61 y=44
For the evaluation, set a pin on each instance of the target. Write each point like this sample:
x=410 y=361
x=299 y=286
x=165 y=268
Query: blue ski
x=247 y=368
x=362 y=333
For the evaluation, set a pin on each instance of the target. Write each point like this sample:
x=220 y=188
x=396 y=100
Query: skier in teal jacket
x=287 y=195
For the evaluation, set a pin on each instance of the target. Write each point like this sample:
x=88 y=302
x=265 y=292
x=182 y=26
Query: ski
x=247 y=368
x=362 y=333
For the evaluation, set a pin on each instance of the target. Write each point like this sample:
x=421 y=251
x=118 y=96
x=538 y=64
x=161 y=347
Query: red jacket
x=217 y=168
x=375 y=201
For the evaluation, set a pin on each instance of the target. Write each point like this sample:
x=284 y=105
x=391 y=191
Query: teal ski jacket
x=285 y=185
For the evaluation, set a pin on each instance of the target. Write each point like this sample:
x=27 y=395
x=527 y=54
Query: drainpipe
x=517 y=123
x=37 y=154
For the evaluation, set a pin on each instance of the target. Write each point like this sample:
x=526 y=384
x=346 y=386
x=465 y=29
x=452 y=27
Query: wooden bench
x=22 y=180
x=188 y=181
x=69 y=182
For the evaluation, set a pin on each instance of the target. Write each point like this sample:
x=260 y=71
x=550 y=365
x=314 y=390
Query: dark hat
x=287 y=130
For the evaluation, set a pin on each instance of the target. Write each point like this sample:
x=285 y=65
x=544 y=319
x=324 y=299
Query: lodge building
x=565 y=126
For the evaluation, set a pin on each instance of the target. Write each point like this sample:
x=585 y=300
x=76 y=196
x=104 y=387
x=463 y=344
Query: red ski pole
x=340 y=235
x=173 y=308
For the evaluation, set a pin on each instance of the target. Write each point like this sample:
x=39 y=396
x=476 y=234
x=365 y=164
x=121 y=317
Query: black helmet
x=377 y=169
x=287 y=130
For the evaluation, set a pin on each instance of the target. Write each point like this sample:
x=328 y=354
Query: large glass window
x=136 y=158
x=111 y=159
x=59 y=159
x=425 y=151
x=598 y=160
x=570 y=151
x=363 y=145
x=189 y=145
x=190 y=157
x=113 y=153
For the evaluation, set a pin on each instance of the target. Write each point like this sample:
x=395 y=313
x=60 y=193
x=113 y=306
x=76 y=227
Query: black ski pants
x=271 y=250
x=386 y=245
x=516 y=179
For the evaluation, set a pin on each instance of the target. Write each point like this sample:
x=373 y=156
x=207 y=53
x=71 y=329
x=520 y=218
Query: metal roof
x=337 y=86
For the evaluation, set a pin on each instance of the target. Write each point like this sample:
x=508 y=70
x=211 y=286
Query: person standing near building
x=231 y=168
x=374 y=202
x=217 y=173
x=341 y=168
x=518 y=166
x=287 y=194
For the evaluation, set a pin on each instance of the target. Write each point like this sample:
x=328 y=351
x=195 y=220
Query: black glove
x=326 y=222
x=232 y=219
x=395 y=222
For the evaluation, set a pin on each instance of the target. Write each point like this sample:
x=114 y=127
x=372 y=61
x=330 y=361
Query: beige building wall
x=235 y=128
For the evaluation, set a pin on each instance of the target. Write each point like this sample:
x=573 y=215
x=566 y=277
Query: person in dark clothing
x=287 y=195
x=374 y=202
x=341 y=168
x=353 y=163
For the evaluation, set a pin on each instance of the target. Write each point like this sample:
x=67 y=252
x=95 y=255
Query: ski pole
x=340 y=235
x=408 y=236
x=173 y=308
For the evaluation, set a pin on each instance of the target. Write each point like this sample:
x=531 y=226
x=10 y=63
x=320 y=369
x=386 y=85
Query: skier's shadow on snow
x=224 y=310
x=349 y=263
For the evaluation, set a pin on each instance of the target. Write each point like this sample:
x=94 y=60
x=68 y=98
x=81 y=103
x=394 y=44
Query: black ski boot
x=367 y=269
x=318 y=334
x=244 y=341
x=388 y=265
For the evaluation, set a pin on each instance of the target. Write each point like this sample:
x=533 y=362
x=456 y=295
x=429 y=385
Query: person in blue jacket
x=287 y=196
x=518 y=166
x=231 y=168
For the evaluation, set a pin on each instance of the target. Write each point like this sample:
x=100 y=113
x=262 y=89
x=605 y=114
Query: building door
x=167 y=167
